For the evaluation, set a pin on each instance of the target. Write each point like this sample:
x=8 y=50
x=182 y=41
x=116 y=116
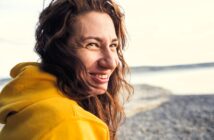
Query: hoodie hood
x=29 y=84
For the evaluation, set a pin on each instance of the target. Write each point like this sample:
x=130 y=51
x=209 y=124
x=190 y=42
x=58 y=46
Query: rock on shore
x=146 y=97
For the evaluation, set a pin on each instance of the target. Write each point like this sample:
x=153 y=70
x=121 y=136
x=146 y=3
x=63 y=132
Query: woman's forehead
x=94 y=24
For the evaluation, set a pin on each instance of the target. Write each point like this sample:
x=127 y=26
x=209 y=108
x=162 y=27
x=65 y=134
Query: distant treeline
x=171 y=67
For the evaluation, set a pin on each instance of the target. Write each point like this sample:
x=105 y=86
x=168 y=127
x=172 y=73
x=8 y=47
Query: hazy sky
x=161 y=32
x=166 y=32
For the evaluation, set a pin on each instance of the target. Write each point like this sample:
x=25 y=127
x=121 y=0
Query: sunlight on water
x=195 y=81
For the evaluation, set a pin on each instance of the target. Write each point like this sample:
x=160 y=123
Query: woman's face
x=98 y=50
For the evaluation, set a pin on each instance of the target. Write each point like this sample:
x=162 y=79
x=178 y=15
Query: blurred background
x=171 y=55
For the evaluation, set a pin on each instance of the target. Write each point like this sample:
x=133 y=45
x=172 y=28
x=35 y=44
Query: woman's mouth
x=99 y=78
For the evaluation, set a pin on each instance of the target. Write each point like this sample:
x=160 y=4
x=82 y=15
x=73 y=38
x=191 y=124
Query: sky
x=165 y=32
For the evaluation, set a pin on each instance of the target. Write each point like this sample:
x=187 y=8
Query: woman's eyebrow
x=114 y=40
x=96 y=38
x=90 y=37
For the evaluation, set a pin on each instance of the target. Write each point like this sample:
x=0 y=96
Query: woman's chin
x=98 y=91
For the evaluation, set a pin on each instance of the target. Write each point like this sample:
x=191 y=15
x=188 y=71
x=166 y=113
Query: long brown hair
x=54 y=28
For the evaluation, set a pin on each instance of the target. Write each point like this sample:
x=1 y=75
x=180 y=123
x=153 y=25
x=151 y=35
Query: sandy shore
x=164 y=116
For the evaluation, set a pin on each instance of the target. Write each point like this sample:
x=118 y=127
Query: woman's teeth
x=102 y=76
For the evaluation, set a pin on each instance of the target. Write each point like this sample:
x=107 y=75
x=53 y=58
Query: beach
x=162 y=115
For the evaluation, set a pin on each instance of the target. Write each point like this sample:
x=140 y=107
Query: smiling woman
x=74 y=92
x=98 y=51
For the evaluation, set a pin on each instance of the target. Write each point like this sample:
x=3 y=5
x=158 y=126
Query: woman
x=74 y=92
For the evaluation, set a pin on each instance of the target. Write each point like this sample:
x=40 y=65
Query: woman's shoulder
x=63 y=108
x=66 y=116
x=55 y=117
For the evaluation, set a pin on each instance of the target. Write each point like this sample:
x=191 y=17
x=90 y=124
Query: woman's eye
x=114 y=45
x=90 y=45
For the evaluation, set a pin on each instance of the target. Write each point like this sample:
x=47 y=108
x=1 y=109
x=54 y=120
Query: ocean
x=180 y=79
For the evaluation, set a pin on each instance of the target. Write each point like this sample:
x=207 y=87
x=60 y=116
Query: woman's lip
x=99 y=78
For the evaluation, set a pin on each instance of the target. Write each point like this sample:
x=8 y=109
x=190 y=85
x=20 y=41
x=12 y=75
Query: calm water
x=192 y=81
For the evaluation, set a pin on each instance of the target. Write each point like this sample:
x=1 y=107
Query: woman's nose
x=108 y=60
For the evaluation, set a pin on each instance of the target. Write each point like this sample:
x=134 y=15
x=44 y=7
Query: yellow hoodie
x=32 y=108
